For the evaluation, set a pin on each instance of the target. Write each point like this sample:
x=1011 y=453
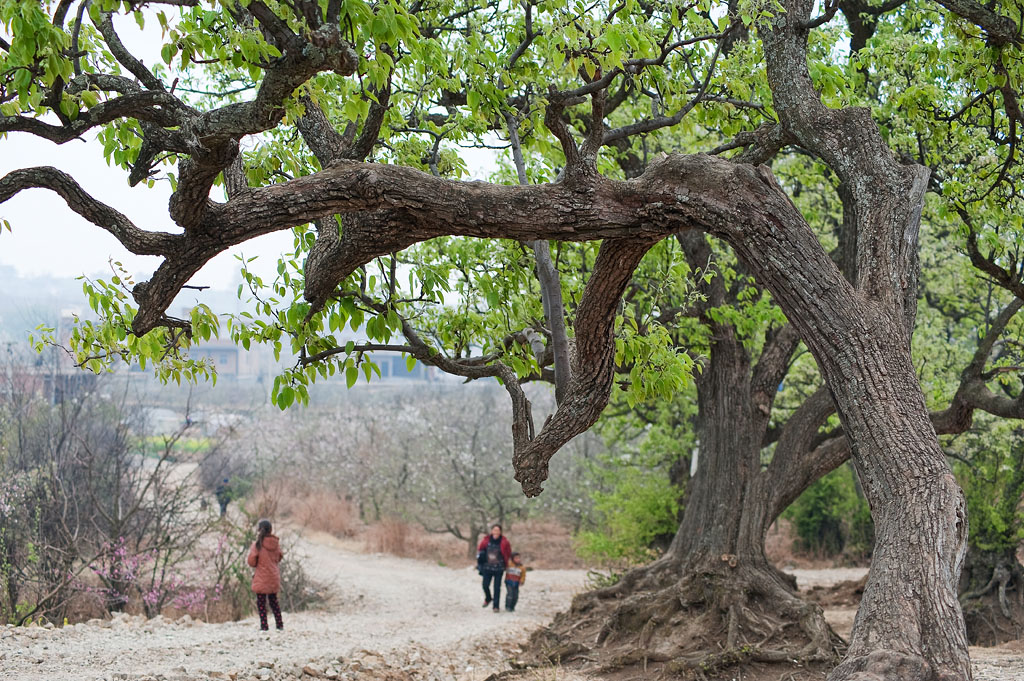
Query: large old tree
x=697 y=593
x=405 y=85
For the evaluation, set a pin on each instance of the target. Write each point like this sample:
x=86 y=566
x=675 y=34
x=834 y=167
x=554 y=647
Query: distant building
x=52 y=374
x=393 y=367
x=257 y=363
x=231 y=360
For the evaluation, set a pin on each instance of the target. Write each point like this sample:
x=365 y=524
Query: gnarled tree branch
x=100 y=214
x=1001 y=30
x=593 y=366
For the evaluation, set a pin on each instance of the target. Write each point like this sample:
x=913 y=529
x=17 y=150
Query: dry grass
x=325 y=511
x=781 y=549
x=389 y=536
x=265 y=499
x=398 y=538
x=546 y=544
x=315 y=508
x=543 y=544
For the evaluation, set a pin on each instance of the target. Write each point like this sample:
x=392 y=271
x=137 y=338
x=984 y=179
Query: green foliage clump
x=832 y=518
x=640 y=508
x=993 y=482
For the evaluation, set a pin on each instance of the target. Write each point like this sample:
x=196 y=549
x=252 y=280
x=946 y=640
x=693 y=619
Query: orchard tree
x=86 y=497
x=406 y=85
x=435 y=456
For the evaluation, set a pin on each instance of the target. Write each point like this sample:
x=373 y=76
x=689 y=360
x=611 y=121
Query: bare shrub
x=98 y=514
x=299 y=590
x=390 y=536
x=92 y=509
x=309 y=505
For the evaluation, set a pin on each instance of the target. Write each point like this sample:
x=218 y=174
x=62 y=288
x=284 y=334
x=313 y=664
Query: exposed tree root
x=691 y=622
x=994 y=611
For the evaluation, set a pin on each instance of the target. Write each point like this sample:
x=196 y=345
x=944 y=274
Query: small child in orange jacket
x=264 y=555
x=515 y=575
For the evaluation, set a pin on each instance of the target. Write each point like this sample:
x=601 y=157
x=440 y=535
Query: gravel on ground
x=390 y=619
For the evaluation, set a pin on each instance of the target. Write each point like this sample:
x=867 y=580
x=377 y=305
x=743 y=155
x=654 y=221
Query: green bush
x=831 y=518
x=641 y=507
x=993 y=482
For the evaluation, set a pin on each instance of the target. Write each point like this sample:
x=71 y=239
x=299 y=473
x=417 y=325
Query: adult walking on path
x=223 y=494
x=264 y=555
x=493 y=555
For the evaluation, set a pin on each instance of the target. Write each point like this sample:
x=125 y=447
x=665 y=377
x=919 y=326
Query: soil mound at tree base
x=706 y=621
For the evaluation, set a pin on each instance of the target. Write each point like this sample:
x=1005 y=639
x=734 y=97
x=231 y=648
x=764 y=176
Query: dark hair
x=263 y=528
x=498 y=525
x=514 y=554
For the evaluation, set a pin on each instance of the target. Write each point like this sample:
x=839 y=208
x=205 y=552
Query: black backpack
x=494 y=558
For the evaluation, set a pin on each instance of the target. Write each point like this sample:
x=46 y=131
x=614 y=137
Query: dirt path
x=390 y=613
x=393 y=620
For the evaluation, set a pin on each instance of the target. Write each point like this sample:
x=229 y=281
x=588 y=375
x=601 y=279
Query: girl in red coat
x=264 y=555
x=492 y=556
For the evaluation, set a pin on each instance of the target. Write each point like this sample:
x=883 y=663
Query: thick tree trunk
x=721 y=538
x=729 y=457
x=909 y=619
x=909 y=625
x=713 y=601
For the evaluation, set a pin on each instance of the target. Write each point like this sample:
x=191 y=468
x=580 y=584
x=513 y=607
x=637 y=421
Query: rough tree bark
x=909 y=624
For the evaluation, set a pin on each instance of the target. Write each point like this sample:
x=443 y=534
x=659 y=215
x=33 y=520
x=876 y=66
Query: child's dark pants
x=261 y=605
x=512 y=594
x=496 y=576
